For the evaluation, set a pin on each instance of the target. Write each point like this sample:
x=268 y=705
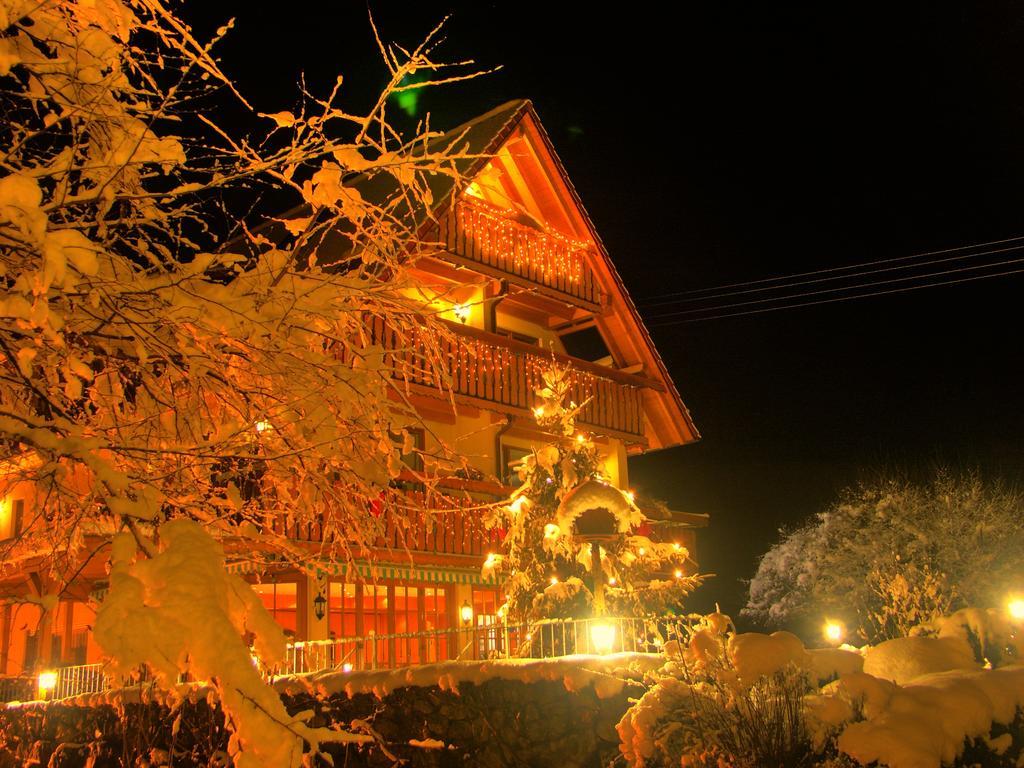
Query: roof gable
x=519 y=169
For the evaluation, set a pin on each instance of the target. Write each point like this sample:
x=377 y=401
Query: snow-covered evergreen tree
x=546 y=571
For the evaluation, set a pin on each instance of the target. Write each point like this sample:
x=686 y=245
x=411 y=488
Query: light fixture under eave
x=461 y=312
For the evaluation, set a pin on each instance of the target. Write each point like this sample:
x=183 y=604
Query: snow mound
x=924 y=724
x=905 y=658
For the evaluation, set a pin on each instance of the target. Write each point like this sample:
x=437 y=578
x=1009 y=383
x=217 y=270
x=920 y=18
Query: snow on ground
x=924 y=723
x=605 y=673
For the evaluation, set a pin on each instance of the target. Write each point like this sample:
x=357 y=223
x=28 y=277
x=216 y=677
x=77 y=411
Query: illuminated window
x=375 y=620
x=341 y=609
x=407 y=622
x=485 y=614
x=281 y=599
x=435 y=617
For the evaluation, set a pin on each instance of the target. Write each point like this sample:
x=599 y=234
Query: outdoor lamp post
x=47 y=682
x=1015 y=607
x=319 y=605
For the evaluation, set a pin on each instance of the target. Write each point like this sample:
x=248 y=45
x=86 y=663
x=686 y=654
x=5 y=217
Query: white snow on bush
x=906 y=658
x=924 y=723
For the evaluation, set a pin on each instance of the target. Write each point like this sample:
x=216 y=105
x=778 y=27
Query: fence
x=540 y=640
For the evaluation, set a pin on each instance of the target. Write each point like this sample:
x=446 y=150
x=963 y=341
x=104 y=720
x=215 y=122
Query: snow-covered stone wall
x=549 y=713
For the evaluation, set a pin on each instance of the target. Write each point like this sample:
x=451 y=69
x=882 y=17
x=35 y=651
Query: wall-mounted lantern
x=319 y=605
x=466 y=613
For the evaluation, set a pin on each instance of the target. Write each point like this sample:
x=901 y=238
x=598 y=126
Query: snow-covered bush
x=756 y=701
x=894 y=554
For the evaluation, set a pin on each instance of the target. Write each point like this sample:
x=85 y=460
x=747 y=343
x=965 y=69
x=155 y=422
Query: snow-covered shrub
x=726 y=699
x=759 y=701
x=893 y=554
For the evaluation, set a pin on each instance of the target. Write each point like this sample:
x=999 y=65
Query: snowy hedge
x=557 y=713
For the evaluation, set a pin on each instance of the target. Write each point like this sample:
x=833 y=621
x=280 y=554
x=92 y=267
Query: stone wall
x=493 y=724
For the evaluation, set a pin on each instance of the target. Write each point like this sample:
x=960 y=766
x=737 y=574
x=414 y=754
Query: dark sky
x=737 y=141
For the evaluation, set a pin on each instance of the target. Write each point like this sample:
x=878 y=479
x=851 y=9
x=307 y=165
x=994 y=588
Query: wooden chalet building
x=526 y=273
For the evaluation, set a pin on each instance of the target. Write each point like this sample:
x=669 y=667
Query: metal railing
x=538 y=640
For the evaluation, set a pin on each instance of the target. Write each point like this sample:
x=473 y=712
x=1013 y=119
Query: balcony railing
x=493 y=369
x=486 y=236
x=539 y=640
x=438 y=524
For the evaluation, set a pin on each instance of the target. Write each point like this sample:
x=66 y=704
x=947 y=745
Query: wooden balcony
x=482 y=237
x=439 y=525
x=492 y=370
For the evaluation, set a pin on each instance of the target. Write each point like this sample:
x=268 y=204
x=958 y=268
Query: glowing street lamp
x=1015 y=607
x=834 y=631
x=47 y=682
x=602 y=635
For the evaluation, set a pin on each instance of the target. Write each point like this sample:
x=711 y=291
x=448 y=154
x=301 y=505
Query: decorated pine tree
x=547 y=562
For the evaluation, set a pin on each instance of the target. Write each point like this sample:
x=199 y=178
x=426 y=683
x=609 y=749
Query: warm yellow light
x=466 y=613
x=1016 y=608
x=603 y=637
x=538 y=411
x=679 y=573
x=642 y=551
x=554 y=580
x=612 y=581
x=834 y=632
x=517 y=505
x=262 y=426
x=630 y=495
x=676 y=546
x=47 y=682
x=580 y=439
x=461 y=312
x=346 y=667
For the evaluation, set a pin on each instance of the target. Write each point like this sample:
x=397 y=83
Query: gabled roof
x=620 y=323
x=478 y=141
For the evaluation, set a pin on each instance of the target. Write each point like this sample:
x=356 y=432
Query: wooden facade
x=520 y=252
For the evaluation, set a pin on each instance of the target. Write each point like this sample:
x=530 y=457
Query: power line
x=836 y=299
x=837 y=290
x=834 y=269
x=930 y=262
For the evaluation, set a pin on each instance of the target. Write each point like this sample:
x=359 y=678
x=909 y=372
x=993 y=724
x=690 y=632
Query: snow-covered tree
x=165 y=360
x=894 y=554
x=548 y=572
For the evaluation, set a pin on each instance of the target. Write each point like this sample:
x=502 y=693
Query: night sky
x=734 y=142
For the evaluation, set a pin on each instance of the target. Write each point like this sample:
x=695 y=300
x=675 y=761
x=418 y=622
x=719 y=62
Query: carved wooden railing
x=486 y=236
x=436 y=524
x=495 y=369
